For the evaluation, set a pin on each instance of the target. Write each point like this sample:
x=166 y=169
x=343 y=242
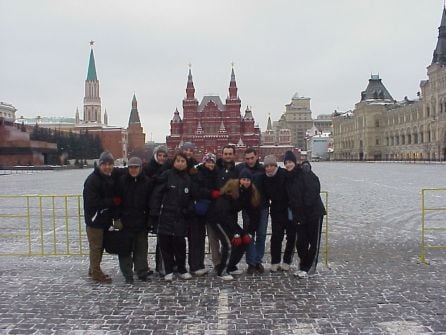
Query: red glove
x=215 y=194
x=246 y=239
x=117 y=200
x=236 y=240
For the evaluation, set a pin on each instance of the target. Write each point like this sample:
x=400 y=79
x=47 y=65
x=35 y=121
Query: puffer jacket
x=274 y=192
x=135 y=194
x=172 y=202
x=98 y=200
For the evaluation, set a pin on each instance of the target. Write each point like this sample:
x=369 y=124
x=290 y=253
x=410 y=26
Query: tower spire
x=91 y=75
x=134 y=115
x=232 y=85
x=440 y=50
x=190 y=89
x=92 y=100
x=269 y=127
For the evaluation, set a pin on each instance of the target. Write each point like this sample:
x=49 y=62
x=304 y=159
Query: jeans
x=256 y=250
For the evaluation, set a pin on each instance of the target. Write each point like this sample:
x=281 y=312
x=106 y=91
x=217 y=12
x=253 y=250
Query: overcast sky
x=322 y=49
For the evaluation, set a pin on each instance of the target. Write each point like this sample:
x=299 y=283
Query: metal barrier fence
x=53 y=225
x=432 y=210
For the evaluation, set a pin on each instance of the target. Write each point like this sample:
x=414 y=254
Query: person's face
x=270 y=168
x=250 y=159
x=134 y=170
x=228 y=155
x=161 y=157
x=106 y=168
x=189 y=152
x=209 y=164
x=245 y=182
x=180 y=163
x=289 y=165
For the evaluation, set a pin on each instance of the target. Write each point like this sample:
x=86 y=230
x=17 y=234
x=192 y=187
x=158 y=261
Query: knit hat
x=245 y=173
x=187 y=145
x=106 y=157
x=289 y=156
x=270 y=160
x=135 y=161
x=209 y=157
x=160 y=148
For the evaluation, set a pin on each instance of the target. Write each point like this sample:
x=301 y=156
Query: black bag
x=117 y=242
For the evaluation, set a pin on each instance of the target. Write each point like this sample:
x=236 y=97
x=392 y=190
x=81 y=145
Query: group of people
x=180 y=200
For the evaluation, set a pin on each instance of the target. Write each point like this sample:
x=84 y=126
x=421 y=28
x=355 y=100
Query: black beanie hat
x=289 y=156
x=245 y=173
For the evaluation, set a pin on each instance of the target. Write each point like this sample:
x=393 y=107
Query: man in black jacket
x=98 y=206
x=134 y=189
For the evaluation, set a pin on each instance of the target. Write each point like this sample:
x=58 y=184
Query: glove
x=236 y=240
x=246 y=239
x=117 y=224
x=117 y=200
x=215 y=194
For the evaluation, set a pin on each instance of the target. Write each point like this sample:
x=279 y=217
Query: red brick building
x=210 y=124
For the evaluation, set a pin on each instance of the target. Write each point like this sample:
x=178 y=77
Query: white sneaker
x=168 y=277
x=301 y=274
x=275 y=267
x=236 y=272
x=200 y=272
x=185 y=275
x=285 y=267
x=226 y=277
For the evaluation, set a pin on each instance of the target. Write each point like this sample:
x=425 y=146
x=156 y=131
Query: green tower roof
x=91 y=75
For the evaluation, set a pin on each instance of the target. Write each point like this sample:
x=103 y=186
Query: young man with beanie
x=256 y=250
x=274 y=186
x=303 y=190
x=134 y=189
x=99 y=203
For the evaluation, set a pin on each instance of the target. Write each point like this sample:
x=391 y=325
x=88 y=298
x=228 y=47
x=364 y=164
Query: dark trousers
x=308 y=242
x=280 y=226
x=230 y=255
x=137 y=259
x=197 y=239
x=173 y=252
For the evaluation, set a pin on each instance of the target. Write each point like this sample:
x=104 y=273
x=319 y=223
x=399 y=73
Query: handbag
x=201 y=206
x=117 y=242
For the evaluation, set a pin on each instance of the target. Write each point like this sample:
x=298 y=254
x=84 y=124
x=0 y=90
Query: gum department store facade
x=380 y=128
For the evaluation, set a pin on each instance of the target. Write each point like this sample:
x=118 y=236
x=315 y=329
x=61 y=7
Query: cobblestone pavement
x=370 y=288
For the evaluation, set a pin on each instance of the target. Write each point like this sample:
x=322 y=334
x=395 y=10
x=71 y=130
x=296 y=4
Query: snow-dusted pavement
x=375 y=284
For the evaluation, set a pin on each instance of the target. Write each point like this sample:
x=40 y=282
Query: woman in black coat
x=172 y=203
x=303 y=189
x=236 y=195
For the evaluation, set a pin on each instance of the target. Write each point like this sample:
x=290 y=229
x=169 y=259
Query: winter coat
x=274 y=188
x=153 y=169
x=303 y=189
x=135 y=194
x=233 y=200
x=172 y=202
x=225 y=171
x=98 y=200
x=258 y=175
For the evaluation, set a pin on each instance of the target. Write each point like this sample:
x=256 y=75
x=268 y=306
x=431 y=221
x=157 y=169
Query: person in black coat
x=134 y=189
x=274 y=186
x=99 y=206
x=303 y=189
x=207 y=191
x=172 y=201
x=236 y=195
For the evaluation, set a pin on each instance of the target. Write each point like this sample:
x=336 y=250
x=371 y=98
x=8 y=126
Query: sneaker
x=235 y=272
x=285 y=267
x=200 y=272
x=185 y=275
x=275 y=267
x=251 y=269
x=129 y=280
x=301 y=274
x=226 y=277
x=168 y=277
x=260 y=268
